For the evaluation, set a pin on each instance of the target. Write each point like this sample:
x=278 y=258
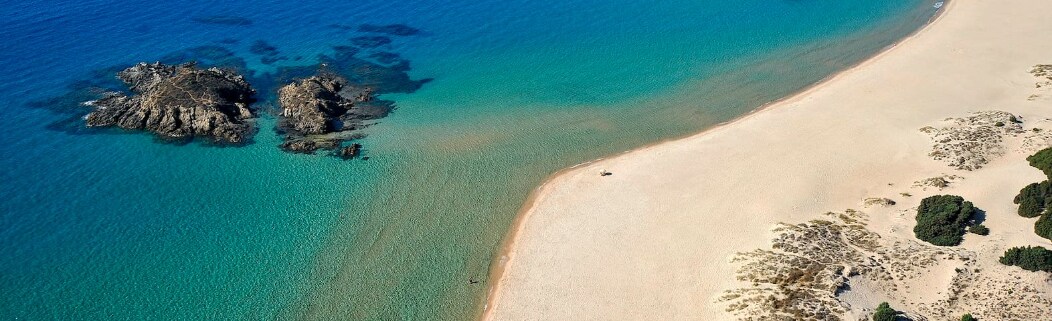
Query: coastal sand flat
x=654 y=240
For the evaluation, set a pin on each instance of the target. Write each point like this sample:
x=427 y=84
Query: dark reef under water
x=393 y=29
x=267 y=52
x=223 y=20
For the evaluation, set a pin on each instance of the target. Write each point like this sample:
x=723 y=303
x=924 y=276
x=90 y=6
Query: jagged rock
x=313 y=106
x=179 y=102
x=321 y=112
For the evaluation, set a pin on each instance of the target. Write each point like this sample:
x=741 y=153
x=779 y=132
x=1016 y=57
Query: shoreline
x=665 y=236
x=505 y=254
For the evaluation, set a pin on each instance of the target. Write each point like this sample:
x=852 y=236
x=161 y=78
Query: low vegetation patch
x=941 y=219
x=877 y=201
x=968 y=317
x=969 y=143
x=978 y=229
x=886 y=313
x=1030 y=258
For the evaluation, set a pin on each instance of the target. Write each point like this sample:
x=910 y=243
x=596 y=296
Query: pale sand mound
x=656 y=240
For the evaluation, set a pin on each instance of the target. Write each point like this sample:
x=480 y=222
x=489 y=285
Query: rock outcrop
x=179 y=102
x=321 y=112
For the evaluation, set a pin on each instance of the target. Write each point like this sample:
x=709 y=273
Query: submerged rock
x=394 y=29
x=179 y=102
x=351 y=151
x=268 y=53
x=370 y=41
x=223 y=20
x=307 y=145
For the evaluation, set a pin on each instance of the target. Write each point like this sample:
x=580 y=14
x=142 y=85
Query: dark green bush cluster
x=1030 y=258
x=1036 y=199
x=885 y=313
x=979 y=229
x=968 y=317
x=1042 y=160
x=941 y=219
x=1043 y=227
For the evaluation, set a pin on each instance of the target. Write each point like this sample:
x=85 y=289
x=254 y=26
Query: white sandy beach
x=654 y=240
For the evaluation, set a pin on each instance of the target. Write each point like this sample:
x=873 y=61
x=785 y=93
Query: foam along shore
x=655 y=239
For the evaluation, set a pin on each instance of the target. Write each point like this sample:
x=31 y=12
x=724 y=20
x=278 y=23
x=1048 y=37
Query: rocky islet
x=184 y=102
x=209 y=94
x=323 y=111
x=178 y=102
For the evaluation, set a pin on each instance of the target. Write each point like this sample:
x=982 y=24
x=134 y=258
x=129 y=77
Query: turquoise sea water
x=110 y=225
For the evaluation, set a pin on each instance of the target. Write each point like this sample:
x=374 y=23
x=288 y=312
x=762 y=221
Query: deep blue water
x=104 y=224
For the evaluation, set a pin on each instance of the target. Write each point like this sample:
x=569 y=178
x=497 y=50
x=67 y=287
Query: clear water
x=119 y=226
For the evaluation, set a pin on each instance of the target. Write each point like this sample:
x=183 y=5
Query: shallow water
x=111 y=225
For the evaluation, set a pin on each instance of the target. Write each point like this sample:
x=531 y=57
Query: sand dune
x=655 y=240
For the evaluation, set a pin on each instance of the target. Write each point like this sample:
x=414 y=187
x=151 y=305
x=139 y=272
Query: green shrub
x=1030 y=258
x=885 y=313
x=1033 y=199
x=968 y=317
x=1036 y=199
x=941 y=219
x=979 y=229
x=1043 y=227
x=1042 y=160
